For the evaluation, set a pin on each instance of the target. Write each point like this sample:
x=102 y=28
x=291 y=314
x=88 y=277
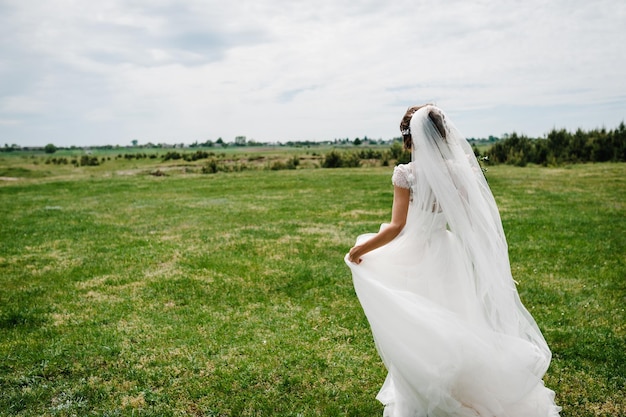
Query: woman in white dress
x=436 y=287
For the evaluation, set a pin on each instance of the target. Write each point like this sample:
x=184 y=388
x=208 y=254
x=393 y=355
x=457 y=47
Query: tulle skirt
x=442 y=359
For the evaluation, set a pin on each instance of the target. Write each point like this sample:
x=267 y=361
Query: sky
x=89 y=73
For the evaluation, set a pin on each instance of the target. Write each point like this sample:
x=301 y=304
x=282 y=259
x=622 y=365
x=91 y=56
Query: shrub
x=332 y=159
x=401 y=155
x=211 y=167
x=278 y=165
x=352 y=160
x=87 y=160
x=293 y=163
x=171 y=155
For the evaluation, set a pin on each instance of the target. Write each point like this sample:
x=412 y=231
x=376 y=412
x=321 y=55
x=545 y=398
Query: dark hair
x=405 y=124
x=436 y=117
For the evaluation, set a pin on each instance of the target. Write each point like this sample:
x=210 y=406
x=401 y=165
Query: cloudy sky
x=83 y=72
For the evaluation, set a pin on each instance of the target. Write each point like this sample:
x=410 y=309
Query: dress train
x=442 y=359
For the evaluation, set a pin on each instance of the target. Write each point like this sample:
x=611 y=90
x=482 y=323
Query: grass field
x=128 y=294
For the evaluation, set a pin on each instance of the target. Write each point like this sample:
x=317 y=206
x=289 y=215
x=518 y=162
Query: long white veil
x=450 y=180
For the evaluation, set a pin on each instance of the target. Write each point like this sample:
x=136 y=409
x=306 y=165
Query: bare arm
x=401 y=197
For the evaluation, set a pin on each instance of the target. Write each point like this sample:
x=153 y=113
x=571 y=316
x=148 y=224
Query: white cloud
x=278 y=70
x=21 y=104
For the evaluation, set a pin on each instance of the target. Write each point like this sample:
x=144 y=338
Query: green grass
x=227 y=295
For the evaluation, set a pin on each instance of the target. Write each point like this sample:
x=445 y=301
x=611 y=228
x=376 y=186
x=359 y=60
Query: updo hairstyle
x=405 y=124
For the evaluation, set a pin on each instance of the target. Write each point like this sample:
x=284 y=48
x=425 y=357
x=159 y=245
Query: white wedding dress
x=443 y=309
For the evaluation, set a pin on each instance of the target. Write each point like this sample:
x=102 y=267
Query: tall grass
x=226 y=294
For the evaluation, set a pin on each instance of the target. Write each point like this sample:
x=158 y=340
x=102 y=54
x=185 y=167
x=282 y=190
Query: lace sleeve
x=401 y=176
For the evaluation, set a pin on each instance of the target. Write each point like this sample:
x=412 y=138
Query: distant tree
x=134 y=142
x=620 y=142
x=357 y=142
x=558 y=141
x=50 y=148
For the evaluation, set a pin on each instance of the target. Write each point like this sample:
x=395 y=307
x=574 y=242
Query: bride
x=436 y=287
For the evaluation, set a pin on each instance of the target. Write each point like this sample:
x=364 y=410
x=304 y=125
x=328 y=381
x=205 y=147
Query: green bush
x=332 y=159
x=211 y=167
x=87 y=160
x=351 y=160
x=293 y=163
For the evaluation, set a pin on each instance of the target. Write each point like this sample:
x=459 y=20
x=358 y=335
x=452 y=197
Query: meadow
x=125 y=293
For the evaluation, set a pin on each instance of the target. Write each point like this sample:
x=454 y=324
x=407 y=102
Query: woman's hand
x=399 y=211
x=355 y=256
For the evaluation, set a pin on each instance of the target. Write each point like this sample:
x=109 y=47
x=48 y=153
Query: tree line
x=556 y=148
x=560 y=147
